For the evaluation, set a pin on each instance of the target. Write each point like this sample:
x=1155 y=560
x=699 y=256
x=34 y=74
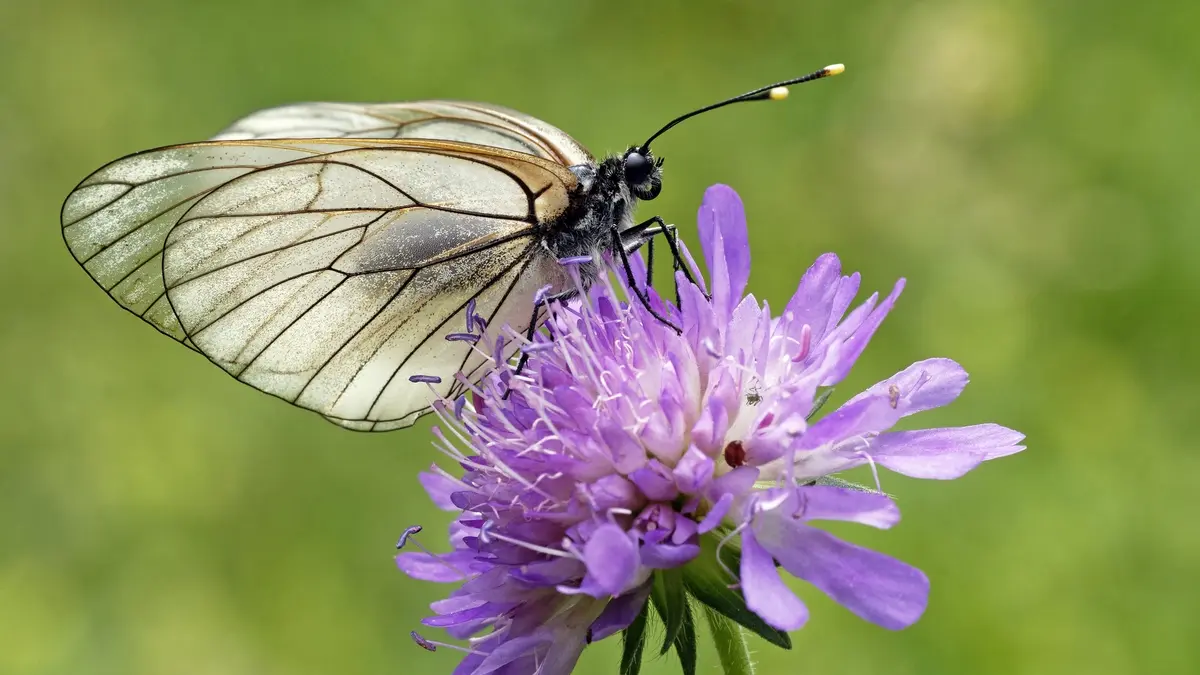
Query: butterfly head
x=642 y=173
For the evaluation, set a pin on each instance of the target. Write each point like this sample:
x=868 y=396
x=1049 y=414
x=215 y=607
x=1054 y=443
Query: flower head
x=625 y=450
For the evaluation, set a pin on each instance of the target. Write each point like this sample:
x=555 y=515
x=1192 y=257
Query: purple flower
x=625 y=451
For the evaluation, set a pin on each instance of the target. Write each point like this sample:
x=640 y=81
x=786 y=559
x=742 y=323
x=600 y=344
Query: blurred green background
x=1030 y=167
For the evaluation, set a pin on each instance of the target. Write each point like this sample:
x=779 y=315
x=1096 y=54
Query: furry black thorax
x=606 y=197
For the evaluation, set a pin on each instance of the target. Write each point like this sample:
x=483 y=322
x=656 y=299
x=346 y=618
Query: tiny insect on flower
x=735 y=454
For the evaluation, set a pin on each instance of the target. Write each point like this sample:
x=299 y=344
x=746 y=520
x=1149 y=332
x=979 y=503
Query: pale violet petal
x=611 y=558
x=924 y=385
x=620 y=612
x=826 y=502
x=862 y=335
x=766 y=594
x=439 y=487
x=878 y=588
x=944 y=453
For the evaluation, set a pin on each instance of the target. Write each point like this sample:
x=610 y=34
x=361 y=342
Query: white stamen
x=532 y=547
x=721 y=544
x=874 y=471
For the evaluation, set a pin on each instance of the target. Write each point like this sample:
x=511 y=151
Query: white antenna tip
x=835 y=69
x=778 y=93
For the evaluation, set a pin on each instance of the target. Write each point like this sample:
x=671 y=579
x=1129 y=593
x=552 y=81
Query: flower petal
x=810 y=304
x=858 y=341
x=735 y=482
x=855 y=418
x=716 y=514
x=718 y=273
x=509 y=651
x=778 y=426
x=825 y=502
x=924 y=385
x=721 y=224
x=685 y=531
x=668 y=556
x=548 y=572
x=699 y=315
x=693 y=471
x=486 y=611
x=468 y=665
x=611 y=558
x=627 y=454
x=655 y=481
x=847 y=288
x=455 y=603
x=944 y=453
x=731 y=219
x=878 y=588
x=440 y=487
x=620 y=612
x=612 y=491
x=766 y=594
x=743 y=328
x=560 y=659
x=708 y=434
x=691 y=263
x=665 y=425
x=443 y=568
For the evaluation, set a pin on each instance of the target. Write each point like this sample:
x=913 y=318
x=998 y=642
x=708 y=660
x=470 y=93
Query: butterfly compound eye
x=637 y=168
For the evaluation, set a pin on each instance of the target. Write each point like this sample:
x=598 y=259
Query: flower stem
x=730 y=642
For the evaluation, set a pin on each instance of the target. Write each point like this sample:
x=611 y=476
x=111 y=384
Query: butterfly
x=329 y=254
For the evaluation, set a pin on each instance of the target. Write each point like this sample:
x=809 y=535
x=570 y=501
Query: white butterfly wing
x=467 y=122
x=116 y=221
x=324 y=272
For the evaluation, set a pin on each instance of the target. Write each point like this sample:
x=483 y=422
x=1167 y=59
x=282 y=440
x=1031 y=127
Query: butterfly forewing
x=469 y=122
x=327 y=272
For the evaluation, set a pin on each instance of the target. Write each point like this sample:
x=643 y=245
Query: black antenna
x=771 y=92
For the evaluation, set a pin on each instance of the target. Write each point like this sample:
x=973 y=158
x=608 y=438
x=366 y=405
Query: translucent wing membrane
x=480 y=123
x=116 y=220
x=324 y=272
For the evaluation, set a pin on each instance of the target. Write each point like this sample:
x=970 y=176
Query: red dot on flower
x=735 y=454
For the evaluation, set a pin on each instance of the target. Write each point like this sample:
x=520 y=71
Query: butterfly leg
x=672 y=241
x=638 y=291
x=533 y=324
x=642 y=235
x=644 y=231
x=648 y=242
x=676 y=263
x=650 y=263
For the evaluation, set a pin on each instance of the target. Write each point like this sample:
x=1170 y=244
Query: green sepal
x=670 y=601
x=633 y=642
x=819 y=402
x=729 y=640
x=685 y=641
x=670 y=598
x=709 y=584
